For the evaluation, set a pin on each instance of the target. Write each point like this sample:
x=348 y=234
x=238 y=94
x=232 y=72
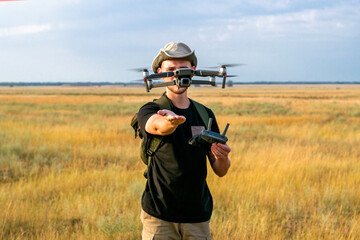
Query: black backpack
x=149 y=147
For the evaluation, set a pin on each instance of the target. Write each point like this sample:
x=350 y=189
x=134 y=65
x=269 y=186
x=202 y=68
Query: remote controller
x=213 y=137
x=206 y=137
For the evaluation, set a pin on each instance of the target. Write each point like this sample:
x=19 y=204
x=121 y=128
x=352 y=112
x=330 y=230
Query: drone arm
x=203 y=82
x=224 y=81
x=160 y=75
x=163 y=84
x=206 y=73
x=147 y=87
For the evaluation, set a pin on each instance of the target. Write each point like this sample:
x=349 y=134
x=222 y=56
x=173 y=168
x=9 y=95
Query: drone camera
x=184 y=81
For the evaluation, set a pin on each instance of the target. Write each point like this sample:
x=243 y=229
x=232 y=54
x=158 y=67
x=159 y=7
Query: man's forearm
x=219 y=160
x=220 y=167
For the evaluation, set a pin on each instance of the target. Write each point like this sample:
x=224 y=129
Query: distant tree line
x=13 y=84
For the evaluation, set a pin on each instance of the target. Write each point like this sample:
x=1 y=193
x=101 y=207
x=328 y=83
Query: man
x=177 y=203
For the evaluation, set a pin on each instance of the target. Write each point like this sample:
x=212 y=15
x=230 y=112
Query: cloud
x=327 y=23
x=271 y=5
x=24 y=30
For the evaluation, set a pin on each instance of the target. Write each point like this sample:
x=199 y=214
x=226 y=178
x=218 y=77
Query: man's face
x=170 y=66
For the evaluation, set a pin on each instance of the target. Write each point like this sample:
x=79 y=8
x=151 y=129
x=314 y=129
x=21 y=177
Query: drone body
x=183 y=77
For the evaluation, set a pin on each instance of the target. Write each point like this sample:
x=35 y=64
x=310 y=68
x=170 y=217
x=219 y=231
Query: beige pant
x=154 y=228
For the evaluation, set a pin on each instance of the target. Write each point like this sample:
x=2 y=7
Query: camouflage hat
x=174 y=50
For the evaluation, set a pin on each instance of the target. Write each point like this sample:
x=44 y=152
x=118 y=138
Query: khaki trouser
x=154 y=228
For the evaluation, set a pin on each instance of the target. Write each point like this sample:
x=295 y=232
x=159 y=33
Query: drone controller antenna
x=226 y=128
x=209 y=124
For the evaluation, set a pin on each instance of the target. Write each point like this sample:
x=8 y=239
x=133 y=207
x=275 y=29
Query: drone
x=183 y=77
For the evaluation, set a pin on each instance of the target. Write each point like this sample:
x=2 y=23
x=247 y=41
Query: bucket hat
x=174 y=50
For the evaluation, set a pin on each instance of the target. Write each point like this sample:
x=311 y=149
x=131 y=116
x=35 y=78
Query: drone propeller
x=232 y=65
x=142 y=80
x=228 y=65
x=138 y=69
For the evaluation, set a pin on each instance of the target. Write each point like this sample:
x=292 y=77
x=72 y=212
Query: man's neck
x=179 y=100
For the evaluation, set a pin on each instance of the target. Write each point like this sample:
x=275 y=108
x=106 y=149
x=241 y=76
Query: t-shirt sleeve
x=145 y=113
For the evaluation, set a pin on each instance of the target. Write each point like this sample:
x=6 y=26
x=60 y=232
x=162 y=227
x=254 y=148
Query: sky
x=97 y=41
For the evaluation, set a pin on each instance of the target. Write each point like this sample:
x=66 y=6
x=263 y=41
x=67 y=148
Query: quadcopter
x=183 y=77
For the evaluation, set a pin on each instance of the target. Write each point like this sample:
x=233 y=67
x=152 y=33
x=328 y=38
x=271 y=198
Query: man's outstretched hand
x=173 y=118
x=164 y=122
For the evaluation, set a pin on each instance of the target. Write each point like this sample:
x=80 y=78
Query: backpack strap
x=155 y=140
x=202 y=111
x=163 y=102
x=153 y=145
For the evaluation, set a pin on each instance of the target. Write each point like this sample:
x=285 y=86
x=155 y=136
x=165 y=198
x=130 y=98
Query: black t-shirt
x=176 y=189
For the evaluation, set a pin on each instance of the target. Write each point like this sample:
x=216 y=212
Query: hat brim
x=166 y=55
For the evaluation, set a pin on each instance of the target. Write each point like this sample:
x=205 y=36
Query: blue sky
x=278 y=40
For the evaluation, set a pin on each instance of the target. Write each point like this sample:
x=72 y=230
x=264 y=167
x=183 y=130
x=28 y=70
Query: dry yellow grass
x=69 y=166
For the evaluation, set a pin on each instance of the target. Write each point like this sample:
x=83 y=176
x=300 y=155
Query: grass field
x=69 y=166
